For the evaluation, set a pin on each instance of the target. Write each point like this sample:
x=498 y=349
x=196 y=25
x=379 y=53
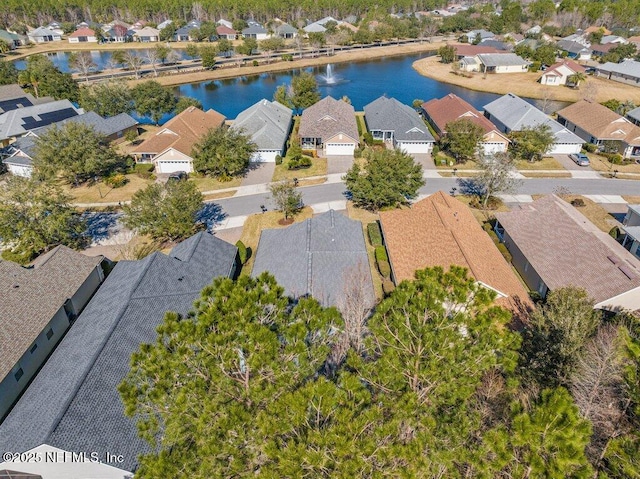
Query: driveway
x=428 y=167
x=575 y=170
x=338 y=164
x=258 y=173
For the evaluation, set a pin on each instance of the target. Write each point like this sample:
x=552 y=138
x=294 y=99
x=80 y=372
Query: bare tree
x=83 y=63
x=133 y=61
x=152 y=57
x=497 y=175
x=429 y=29
x=597 y=387
x=548 y=97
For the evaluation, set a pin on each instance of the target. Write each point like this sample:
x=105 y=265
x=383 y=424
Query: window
x=19 y=373
x=33 y=348
x=50 y=333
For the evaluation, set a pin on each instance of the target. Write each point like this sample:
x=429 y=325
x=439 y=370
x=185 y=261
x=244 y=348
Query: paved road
x=250 y=204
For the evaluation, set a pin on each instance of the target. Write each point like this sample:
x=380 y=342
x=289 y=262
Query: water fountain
x=329 y=78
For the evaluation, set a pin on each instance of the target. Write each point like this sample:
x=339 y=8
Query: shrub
x=242 y=252
x=505 y=252
x=589 y=147
x=297 y=163
x=381 y=253
x=614 y=158
x=385 y=268
x=535 y=66
x=357 y=153
x=116 y=181
x=577 y=202
x=287 y=57
x=23 y=257
x=143 y=170
x=367 y=138
x=255 y=63
x=387 y=286
x=311 y=153
x=278 y=160
x=436 y=150
x=614 y=232
x=375 y=235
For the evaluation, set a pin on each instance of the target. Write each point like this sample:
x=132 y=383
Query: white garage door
x=415 y=147
x=173 y=166
x=565 y=148
x=332 y=149
x=265 y=156
x=493 y=147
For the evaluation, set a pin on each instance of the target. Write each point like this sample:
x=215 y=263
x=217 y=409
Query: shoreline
x=524 y=84
x=355 y=55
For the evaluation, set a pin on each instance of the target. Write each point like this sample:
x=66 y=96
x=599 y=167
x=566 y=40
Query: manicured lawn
x=449 y=162
x=101 y=193
x=366 y=217
x=547 y=163
x=318 y=168
x=258 y=222
x=205 y=183
x=600 y=163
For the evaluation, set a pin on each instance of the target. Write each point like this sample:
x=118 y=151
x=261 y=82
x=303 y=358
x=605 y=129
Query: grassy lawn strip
x=366 y=217
x=222 y=194
x=318 y=168
x=600 y=163
x=547 y=163
x=101 y=193
x=559 y=174
x=459 y=174
x=449 y=162
x=254 y=225
x=205 y=183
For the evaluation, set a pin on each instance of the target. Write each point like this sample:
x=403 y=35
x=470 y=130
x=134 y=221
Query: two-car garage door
x=335 y=149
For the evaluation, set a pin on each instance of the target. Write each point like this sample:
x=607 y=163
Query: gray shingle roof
x=18 y=122
x=286 y=28
x=32 y=296
x=73 y=403
x=188 y=27
x=389 y=114
x=627 y=67
x=314 y=257
x=572 y=47
x=254 y=30
x=634 y=114
x=516 y=114
x=501 y=59
x=328 y=118
x=267 y=123
x=106 y=126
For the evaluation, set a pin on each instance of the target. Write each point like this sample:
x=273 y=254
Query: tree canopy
x=223 y=153
x=388 y=178
x=107 y=99
x=532 y=143
x=462 y=138
x=153 y=100
x=44 y=79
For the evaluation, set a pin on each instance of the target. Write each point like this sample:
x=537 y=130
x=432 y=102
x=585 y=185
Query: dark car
x=580 y=159
x=177 y=176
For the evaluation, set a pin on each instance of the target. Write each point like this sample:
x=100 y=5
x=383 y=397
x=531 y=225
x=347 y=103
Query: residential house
x=579 y=37
x=598 y=51
x=118 y=32
x=255 y=31
x=319 y=26
x=324 y=255
x=286 y=31
x=13 y=97
x=535 y=30
x=516 y=38
x=399 y=125
x=511 y=113
x=618 y=40
x=635 y=40
x=73 y=402
x=224 y=23
x=465 y=50
x=600 y=126
x=43 y=35
x=183 y=34
x=502 y=63
x=55 y=27
x=329 y=125
x=56 y=463
x=146 y=34
x=171 y=147
x=575 y=50
x=558 y=73
x=631 y=230
x=20 y=153
x=38 y=305
x=440 y=231
x=83 y=35
x=440 y=112
x=480 y=34
x=15 y=123
x=595 y=29
x=553 y=246
x=226 y=33
x=268 y=124
x=164 y=24
x=626 y=72
x=497 y=44
x=13 y=39
x=634 y=116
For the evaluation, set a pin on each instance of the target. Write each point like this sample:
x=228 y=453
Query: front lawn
x=318 y=168
x=546 y=163
x=206 y=183
x=600 y=163
x=443 y=160
x=101 y=193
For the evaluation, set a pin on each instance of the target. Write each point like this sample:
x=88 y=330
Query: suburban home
x=13 y=39
x=631 y=229
x=38 y=305
x=83 y=35
x=497 y=44
x=465 y=50
x=511 y=113
x=616 y=39
x=319 y=26
x=57 y=467
x=268 y=124
x=13 y=97
x=224 y=23
x=601 y=50
x=600 y=126
x=440 y=112
x=164 y=24
x=20 y=152
x=400 y=125
x=18 y=122
x=440 y=231
x=118 y=33
x=635 y=40
x=633 y=116
x=553 y=246
x=73 y=402
x=171 y=147
x=494 y=63
x=146 y=34
x=255 y=31
x=481 y=34
x=324 y=256
x=44 y=35
x=595 y=28
x=535 y=30
x=329 y=125
x=575 y=50
x=183 y=34
x=626 y=72
x=286 y=31
x=558 y=73
x=226 y=33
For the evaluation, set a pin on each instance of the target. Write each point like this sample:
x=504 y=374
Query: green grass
x=547 y=163
x=205 y=183
x=318 y=168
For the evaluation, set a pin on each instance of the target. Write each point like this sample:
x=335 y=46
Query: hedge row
x=381 y=254
x=375 y=235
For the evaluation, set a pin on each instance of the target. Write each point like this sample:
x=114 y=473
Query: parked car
x=580 y=159
x=177 y=176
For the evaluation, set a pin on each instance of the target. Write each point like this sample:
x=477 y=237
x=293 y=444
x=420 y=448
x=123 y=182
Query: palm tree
x=575 y=79
x=625 y=107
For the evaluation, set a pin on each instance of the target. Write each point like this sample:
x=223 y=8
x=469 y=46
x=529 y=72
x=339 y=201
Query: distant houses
x=83 y=35
x=494 y=63
x=330 y=127
x=146 y=35
x=44 y=35
x=626 y=72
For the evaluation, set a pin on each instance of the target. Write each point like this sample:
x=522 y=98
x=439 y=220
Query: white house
x=83 y=35
x=559 y=73
x=44 y=35
x=147 y=34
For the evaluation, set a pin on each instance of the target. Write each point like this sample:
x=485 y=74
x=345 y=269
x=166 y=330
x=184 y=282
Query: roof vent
x=613 y=259
x=627 y=271
x=16 y=286
x=180 y=278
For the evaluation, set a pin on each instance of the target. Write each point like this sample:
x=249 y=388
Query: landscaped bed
x=318 y=168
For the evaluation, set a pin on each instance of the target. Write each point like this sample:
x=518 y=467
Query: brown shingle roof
x=565 y=249
x=442 y=231
x=576 y=67
x=327 y=118
x=601 y=123
x=31 y=297
x=83 y=32
x=450 y=108
x=467 y=50
x=182 y=132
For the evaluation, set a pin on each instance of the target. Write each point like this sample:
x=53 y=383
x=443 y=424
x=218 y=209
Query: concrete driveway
x=575 y=170
x=338 y=164
x=258 y=173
